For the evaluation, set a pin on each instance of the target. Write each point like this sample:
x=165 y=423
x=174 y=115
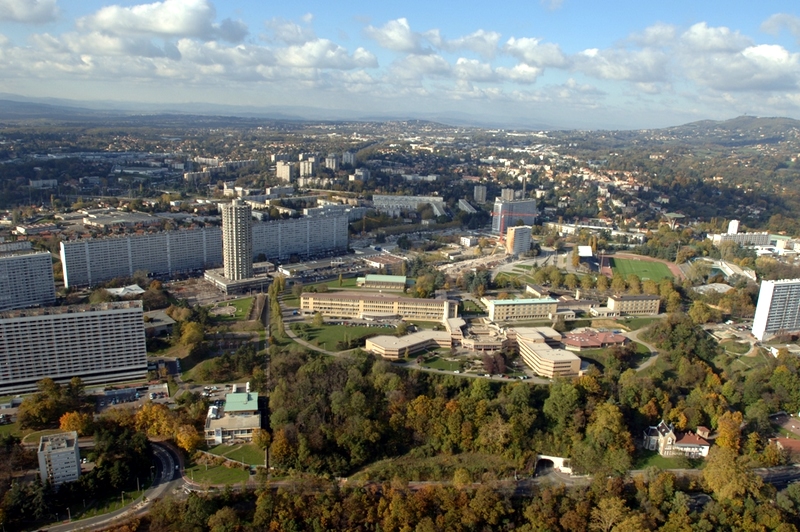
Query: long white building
x=778 y=308
x=26 y=280
x=98 y=343
x=92 y=261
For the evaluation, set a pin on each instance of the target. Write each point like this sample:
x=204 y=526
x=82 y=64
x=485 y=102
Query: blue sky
x=549 y=63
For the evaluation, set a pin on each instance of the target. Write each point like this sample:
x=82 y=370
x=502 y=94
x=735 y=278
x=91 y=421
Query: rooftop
x=74 y=309
x=385 y=278
x=536 y=301
x=241 y=402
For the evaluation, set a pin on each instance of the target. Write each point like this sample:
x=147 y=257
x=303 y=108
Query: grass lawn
x=469 y=307
x=737 y=348
x=216 y=474
x=644 y=459
x=11 y=428
x=328 y=336
x=440 y=363
x=638 y=323
x=105 y=506
x=242 y=307
x=441 y=467
x=644 y=269
x=33 y=437
x=247 y=453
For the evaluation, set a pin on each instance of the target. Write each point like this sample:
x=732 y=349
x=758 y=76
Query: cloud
x=655 y=36
x=28 y=11
x=532 y=52
x=414 y=68
x=483 y=43
x=396 y=35
x=774 y=24
x=473 y=70
x=170 y=18
x=290 y=32
x=520 y=73
x=701 y=38
x=646 y=65
x=323 y=53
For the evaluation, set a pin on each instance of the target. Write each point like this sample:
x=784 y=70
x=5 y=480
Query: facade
x=99 y=343
x=518 y=240
x=743 y=239
x=383 y=282
x=669 y=442
x=394 y=205
x=237 y=240
x=349 y=158
x=309 y=167
x=506 y=213
x=521 y=309
x=285 y=171
x=778 y=308
x=240 y=418
x=95 y=260
x=361 y=305
x=643 y=305
x=26 y=280
x=479 y=193
x=392 y=347
x=59 y=458
x=536 y=347
x=332 y=162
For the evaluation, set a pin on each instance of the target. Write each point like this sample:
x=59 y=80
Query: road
x=167 y=479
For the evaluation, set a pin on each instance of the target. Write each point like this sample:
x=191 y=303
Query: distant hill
x=737 y=131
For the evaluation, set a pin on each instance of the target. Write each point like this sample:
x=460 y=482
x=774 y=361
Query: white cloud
x=414 y=68
x=520 y=73
x=397 y=35
x=28 y=11
x=323 y=53
x=483 y=43
x=774 y=24
x=700 y=38
x=290 y=32
x=657 y=35
x=473 y=70
x=532 y=52
x=646 y=65
x=170 y=18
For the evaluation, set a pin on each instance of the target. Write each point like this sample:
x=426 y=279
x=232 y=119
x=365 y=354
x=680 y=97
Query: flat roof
x=536 y=301
x=545 y=352
x=358 y=295
x=385 y=278
x=409 y=340
x=241 y=402
x=234 y=422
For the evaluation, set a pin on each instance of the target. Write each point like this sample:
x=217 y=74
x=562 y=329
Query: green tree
x=192 y=333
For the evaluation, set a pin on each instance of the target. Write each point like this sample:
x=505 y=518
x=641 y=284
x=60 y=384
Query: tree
x=188 y=438
x=261 y=438
x=602 y=283
x=77 y=421
x=192 y=333
x=318 y=320
x=726 y=476
x=729 y=431
x=224 y=520
x=609 y=512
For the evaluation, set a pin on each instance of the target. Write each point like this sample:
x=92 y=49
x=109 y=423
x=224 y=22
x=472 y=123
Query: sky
x=539 y=64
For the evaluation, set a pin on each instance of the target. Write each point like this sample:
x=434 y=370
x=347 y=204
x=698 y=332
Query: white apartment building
x=394 y=205
x=778 y=308
x=479 y=193
x=349 y=157
x=98 y=343
x=237 y=240
x=285 y=171
x=332 y=162
x=518 y=240
x=59 y=458
x=91 y=261
x=309 y=167
x=26 y=280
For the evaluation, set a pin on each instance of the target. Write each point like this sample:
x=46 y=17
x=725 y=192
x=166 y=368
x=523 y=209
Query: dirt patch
x=228 y=310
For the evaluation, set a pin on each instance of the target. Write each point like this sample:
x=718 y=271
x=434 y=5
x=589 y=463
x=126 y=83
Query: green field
x=242 y=307
x=247 y=453
x=440 y=363
x=644 y=269
x=328 y=336
x=216 y=474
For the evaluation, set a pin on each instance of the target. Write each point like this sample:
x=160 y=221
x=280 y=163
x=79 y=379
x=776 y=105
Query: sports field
x=644 y=269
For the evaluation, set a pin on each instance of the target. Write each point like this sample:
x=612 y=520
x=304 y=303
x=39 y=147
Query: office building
x=643 y=305
x=507 y=213
x=59 y=458
x=393 y=348
x=518 y=240
x=285 y=171
x=538 y=348
x=237 y=420
x=377 y=306
x=479 y=193
x=237 y=240
x=99 y=343
x=91 y=261
x=26 y=280
x=521 y=309
x=778 y=308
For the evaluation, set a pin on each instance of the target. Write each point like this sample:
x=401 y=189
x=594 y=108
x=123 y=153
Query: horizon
x=555 y=64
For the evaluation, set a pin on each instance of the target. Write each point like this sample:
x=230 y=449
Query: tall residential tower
x=778 y=308
x=237 y=240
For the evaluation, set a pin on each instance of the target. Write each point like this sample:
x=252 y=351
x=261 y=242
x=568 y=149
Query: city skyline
x=556 y=63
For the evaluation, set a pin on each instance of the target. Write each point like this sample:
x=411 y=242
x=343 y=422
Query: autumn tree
x=82 y=423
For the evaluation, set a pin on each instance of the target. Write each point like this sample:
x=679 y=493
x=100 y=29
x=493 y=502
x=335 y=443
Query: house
x=669 y=442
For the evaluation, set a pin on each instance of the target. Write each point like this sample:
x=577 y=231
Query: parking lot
x=134 y=396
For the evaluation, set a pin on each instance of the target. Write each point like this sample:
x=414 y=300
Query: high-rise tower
x=237 y=240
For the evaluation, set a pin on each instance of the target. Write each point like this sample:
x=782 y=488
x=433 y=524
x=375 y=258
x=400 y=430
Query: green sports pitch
x=644 y=269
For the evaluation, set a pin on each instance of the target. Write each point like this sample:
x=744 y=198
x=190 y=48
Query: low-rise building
x=59 y=458
x=669 y=442
x=383 y=282
x=393 y=347
x=642 y=305
x=238 y=419
x=375 y=305
x=521 y=309
x=538 y=349
x=592 y=340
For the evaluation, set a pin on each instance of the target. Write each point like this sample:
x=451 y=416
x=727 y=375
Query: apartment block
x=508 y=212
x=98 y=343
x=237 y=240
x=778 y=308
x=479 y=193
x=91 y=261
x=518 y=240
x=26 y=280
x=59 y=458
x=285 y=171
x=365 y=305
